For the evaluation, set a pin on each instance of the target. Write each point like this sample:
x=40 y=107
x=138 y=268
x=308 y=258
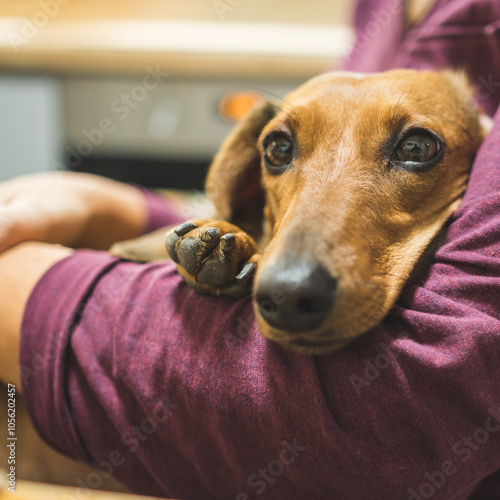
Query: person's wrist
x=116 y=211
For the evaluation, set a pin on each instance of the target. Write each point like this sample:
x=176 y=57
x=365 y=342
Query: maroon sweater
x=178 y=394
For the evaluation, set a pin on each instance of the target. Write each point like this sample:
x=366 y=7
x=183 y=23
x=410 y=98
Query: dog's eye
x=420 y=147
x=278 y=152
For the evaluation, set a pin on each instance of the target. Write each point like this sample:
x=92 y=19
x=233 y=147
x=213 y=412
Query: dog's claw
x=228 y=242
x=241 y=286
x=170 y=243
x=247 y=272
x=210 y=235
x=184 y=228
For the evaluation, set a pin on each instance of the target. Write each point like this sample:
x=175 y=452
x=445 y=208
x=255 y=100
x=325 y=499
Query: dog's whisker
x=400 y=103
x=274 y=95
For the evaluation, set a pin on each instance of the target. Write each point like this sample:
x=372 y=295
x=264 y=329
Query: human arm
x=71 y=209
x=21 y=268
x=124 y=362
x=63 y=208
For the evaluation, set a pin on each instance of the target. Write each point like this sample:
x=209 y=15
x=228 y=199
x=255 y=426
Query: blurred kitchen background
x=145 y=91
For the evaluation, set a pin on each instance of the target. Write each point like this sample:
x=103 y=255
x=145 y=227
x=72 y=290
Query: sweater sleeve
x=161 y=211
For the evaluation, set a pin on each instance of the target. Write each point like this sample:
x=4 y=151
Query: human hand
x=71 y=209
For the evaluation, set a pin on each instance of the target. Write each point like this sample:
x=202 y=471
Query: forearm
x=21 y=267
x=70 y=209
x=117 y=211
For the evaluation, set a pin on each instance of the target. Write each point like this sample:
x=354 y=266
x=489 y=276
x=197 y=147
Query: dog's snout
x=295 y=297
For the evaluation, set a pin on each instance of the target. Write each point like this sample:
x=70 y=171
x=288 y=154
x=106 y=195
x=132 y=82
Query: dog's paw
x=214 y=257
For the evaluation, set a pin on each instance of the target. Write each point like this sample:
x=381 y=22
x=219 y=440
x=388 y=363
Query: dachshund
x=328 y=203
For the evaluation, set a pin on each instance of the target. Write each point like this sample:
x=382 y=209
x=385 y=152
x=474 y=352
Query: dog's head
x=348 y=181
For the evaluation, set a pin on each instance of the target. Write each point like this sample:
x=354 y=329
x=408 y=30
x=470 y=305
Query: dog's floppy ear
x=461 y=83
x=234 y=179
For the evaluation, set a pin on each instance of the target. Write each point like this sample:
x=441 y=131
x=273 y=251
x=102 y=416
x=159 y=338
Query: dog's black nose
x=295 y=297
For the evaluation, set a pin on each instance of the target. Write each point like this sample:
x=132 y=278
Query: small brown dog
x=329 y=201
